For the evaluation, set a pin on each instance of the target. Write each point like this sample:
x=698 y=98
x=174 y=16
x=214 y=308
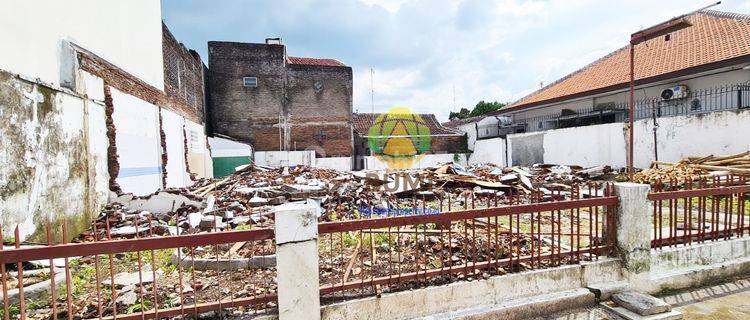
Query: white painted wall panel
x=586 y=146
x=221 y=147
x=489 y=151
x=172 y=125
x=199 y=158
x=336 y=163
x=285 y=158
x=138 y=144
x=425 y=161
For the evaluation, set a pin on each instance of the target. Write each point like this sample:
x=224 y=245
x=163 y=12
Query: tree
x=481 y=108
x=485 y=107
x=462 y=114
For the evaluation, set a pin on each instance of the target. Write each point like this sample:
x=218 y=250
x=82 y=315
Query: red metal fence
x=686 y=211
x=169 y=275
x=372 y=256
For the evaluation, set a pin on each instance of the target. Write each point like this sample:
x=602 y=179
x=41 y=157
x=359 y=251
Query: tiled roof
x=713 y=36
x=315 y=61
x=459 y=122
x=363 y=121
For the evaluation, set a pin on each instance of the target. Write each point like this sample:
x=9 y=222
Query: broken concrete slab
x=605 y=290
x=159 y=202
x=640 y=303
x=626 y=314
x=125 y=279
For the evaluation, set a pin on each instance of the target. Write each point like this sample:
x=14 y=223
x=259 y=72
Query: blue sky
x=422 y=51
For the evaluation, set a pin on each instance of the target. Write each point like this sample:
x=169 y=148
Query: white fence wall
x=586 y=146
x=424 y=161
x=489 y=151
x=337 y=163
x=285 y=158
x=717 y=133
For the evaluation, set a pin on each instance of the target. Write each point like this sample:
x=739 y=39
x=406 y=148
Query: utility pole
x=372 y=91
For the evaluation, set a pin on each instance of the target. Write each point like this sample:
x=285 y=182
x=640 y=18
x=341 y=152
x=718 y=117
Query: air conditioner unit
x=676 y=92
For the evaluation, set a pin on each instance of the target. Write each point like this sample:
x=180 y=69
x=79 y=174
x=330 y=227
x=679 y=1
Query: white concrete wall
x=172 y=125
x=336 y=163
x=489 y=151
x=138 y=143
x=586 y=146
x=199 y=159
x=221 y=147
x=471 y=134
x=126 y=33
x=423 y=161
x=285 y=158
x=717 y=133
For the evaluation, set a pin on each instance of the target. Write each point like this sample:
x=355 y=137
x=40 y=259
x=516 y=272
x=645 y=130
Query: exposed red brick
x=113 y=165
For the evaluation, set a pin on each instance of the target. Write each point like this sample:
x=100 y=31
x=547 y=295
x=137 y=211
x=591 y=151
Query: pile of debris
x=695 y=168
x=248 y=196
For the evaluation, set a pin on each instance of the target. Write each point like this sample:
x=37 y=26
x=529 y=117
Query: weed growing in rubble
x=243 y=227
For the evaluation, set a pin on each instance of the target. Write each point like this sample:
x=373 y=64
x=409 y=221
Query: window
x=250 y=82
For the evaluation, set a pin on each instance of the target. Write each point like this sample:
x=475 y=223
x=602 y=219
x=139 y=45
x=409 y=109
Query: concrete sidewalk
x=730 y=300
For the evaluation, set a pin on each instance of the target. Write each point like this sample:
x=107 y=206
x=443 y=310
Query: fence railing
x=373 y=256
x=142 y=276
x=686 y=212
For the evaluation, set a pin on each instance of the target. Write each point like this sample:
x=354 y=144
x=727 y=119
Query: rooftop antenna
x=372 y=91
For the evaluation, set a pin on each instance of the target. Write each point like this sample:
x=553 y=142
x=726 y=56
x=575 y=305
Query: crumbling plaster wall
x=52 y=155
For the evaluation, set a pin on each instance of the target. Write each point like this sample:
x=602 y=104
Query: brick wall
x=293 y=107
x=448 y=144
x=183 y=73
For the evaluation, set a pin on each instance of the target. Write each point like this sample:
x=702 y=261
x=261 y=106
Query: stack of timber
x=694 y=168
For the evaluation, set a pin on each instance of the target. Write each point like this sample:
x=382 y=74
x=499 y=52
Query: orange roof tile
x=713 y=36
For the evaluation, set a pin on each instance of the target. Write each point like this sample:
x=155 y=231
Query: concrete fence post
x=297 y=261
x=633 y=232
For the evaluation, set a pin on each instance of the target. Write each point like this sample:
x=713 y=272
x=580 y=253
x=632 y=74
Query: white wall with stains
x=51 y=158
x=125 y=33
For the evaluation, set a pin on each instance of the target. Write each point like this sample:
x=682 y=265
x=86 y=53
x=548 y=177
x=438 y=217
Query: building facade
x=275 y=102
